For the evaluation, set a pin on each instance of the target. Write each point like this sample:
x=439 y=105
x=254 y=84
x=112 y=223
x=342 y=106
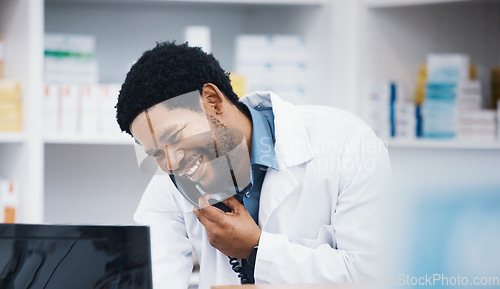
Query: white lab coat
x=318 y=213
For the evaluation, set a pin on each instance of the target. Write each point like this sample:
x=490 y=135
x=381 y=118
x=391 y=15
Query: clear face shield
x=199 y=153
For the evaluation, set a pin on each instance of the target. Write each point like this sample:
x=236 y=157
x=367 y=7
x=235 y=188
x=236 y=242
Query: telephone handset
x=228 y=148
x=192 y=193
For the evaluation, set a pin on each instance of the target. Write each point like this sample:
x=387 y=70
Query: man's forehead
x=164 y=117
x=159 y=119
x=191 y=100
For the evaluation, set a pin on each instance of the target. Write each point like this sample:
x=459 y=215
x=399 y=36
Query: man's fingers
x=208 y=211
x=203 y=220
x=203 y=201
x=207 y=223
x=232 y=203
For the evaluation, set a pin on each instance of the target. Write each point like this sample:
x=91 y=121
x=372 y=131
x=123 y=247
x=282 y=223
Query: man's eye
x=158 y=153
x=174 y=136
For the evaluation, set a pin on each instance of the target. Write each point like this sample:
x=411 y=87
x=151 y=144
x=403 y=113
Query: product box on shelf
x=379 y=108
x=288 y=49
x=239 y=84
x=274 y=62
x=469 y=95
x=10 y=106
x=199 y=36
x=253 y=49
x=81 y=110
x=447 y=68
x=88 y=109
x=477 y=124
x=107 y=112
x=2 y=55
x=498 y=119
x=495 y=87
x=447 y=83
x=9 y=199
x=68 y=109
x=50 y=109
x=405 y=121
x=69 y=59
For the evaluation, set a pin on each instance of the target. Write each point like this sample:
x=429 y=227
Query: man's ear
x=212 y=98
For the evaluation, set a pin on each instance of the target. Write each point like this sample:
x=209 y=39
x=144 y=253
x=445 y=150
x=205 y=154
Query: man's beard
x=225 y=149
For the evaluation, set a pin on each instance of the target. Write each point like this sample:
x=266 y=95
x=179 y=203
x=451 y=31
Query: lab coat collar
x=292 y=141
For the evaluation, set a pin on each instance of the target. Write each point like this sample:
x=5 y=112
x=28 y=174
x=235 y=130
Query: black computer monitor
x=76 y=257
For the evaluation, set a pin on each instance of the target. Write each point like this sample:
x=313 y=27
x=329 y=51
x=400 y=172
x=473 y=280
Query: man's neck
x=243 y=122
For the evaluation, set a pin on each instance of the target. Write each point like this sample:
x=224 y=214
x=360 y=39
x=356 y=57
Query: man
x=306 y=195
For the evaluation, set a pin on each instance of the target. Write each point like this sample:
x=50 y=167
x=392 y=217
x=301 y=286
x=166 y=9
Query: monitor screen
x=77 y=257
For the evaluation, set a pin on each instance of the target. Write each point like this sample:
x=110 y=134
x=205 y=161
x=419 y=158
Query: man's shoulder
x=331 y=121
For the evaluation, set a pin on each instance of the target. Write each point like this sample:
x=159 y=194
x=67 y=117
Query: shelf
x=444 y=144
x=403 y=3
x=12 y=137
x=89 y=140
x=246 y=2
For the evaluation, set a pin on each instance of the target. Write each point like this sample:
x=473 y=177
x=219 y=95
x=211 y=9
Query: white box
x=88 y=109
x=68 y=109
x=71 y=71
x=448 y=68
x=9 y=199
x=292 y=93
x=253 y=48
x=378 y=115
x=469 y=95
x=79 y=43
x=107 y=112
x=69 y=59
x=288 y=48
x=198 y=36
x=257 y=75
x=287 y=74
x=50 y=109
x=2 y=49
x=405 y=120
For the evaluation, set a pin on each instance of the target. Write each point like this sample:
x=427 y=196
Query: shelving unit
x=402 y=3
x=14 y=137
x=231 y=2
x=89 y=140
x=125 y=29
x=81 y=179
x=21 y=154
x=393 y=38
x=351 y=43
x=443 y=144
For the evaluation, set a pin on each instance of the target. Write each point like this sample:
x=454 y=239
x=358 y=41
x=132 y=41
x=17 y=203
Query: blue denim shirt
x=262 y=156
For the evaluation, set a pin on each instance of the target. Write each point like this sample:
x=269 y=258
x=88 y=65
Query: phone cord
x=238 y=269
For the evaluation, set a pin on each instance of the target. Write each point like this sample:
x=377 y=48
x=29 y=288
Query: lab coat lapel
x=292 y=148
x=277 y=186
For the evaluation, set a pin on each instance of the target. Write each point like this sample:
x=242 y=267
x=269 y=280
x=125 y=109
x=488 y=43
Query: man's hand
x=234 y=233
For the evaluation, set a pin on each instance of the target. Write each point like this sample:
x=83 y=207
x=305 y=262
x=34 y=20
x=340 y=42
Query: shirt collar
x=263 y=138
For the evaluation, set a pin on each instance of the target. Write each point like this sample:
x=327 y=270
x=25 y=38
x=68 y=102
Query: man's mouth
x=193 y=171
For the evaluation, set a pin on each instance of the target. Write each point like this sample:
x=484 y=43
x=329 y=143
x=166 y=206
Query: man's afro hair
x=167 y=71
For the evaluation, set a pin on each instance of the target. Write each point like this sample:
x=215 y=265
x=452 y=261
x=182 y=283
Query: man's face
x=193 y=145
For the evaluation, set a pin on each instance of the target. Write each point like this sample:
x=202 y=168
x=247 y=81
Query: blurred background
x=425 y=74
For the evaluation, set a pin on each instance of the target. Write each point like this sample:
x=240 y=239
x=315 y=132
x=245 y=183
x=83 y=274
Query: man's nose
x=174 y=157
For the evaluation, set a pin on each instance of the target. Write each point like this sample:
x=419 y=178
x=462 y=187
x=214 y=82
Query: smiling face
x=197 y=145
